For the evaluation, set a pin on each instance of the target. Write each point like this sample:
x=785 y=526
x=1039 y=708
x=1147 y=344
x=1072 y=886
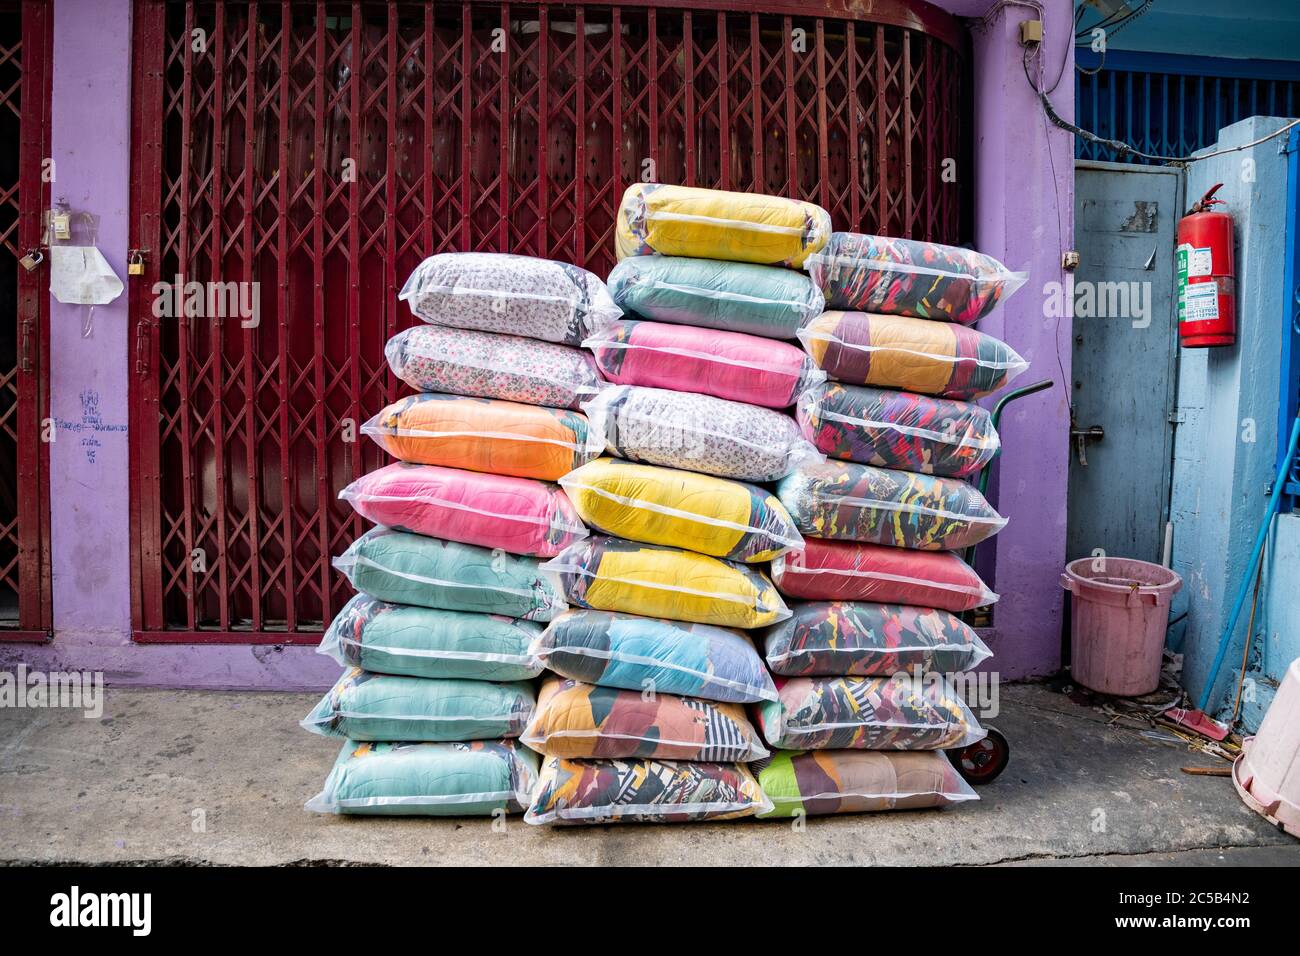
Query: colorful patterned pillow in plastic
x=611 y=574
x=876 y=426
x=683 y=509
x=515 y=295
x=860 y=639
x=364 y=706
x=483 y=434
x=519 y=515
x=924 y=280
x=671 y=657
x=424 y=642
x=732 y=296
x=574 y=719
x=643 y=791
x=409 y=568
x=431 y=358
x=852 y=571
x=891 y=351
x=698 y=433
x=730 y=365
x=819 y=782
x=714 y=224
x=473 y=778
x=902 y=712
x=845 y=501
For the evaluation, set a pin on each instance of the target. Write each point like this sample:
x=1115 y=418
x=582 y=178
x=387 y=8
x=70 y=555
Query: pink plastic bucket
x=1118 y=617
x=1267 y=774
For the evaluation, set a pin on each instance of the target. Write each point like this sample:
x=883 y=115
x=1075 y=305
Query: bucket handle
x=1135 y=596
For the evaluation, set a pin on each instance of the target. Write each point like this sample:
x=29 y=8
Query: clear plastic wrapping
x=431 y=358
x=639 y=653
x=643 y=791
x=767 y=301
x=892 y=429
x=473 y=778
x=901 y=712
x=729 y=365
x=864 y=639
x=715 y=224
x=574 y=719
x=851 y=571
x=681 y=509
x=487 y=435
x=364 y=706
x=405 y=568
x=514 y=295
x=414 y=641
x=611 y=574
x=819 y=782
x=698 y=433
x=845 y=501
x=893 y=351
x=924 y=280
x=519 y=515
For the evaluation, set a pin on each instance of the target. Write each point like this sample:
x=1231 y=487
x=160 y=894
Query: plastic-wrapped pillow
x=425 y=642
x=698 y=433
x=574 y=719
x=406 y=568
x=482 y=434
x=892 y=351
x=732 y=296
x=819 y=782
x=432 y=358
x=861 y=639
x=643 y=791
x=640 y=653
x=611 y=574
x=714 y=224
x=514 y=295
x=924 y=280
x=682 y=509
x=902 y=712
x=845 y=501
x=362 y=706
x=519 y=515
x=473 y=778
x=730 y=365
x=891 y=429
x=852 y=571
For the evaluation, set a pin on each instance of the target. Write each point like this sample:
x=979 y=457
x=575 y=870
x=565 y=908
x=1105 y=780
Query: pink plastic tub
x=1267 y=774
x=1118 y=619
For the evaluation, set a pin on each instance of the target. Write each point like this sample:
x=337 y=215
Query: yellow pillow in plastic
x=682 y=509
x=611 y=574
x=714 y=224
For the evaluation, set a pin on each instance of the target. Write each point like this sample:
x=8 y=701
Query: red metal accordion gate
x=25 y=55
x=322 y=150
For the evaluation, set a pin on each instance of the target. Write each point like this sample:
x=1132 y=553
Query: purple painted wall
x=1024 y=214
x=1018 y=205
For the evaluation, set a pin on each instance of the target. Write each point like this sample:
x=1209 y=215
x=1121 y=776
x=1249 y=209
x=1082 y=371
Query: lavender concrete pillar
x=1024 y=201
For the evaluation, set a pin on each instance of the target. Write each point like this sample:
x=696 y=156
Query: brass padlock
x=32 y=259
x=135 y=263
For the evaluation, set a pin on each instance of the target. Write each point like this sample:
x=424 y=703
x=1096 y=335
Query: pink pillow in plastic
x=519 y=515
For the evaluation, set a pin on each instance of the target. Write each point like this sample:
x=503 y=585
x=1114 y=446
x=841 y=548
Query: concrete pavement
x=220 y=778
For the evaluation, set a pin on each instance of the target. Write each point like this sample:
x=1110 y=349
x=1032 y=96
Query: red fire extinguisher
x=1207 y=313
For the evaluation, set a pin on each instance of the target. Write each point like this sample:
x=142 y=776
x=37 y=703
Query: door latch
x=1081 y=437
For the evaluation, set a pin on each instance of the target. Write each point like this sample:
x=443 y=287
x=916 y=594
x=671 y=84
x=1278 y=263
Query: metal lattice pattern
x=24 y=99
x=469 y=126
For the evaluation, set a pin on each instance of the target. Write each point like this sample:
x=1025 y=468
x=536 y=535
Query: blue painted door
x=1125 y=353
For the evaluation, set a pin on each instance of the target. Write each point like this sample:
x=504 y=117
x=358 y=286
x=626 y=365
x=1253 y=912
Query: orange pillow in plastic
x=488 y=435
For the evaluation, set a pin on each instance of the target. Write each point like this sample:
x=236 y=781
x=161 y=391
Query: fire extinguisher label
x=1200 y=262
x=1200 y=302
